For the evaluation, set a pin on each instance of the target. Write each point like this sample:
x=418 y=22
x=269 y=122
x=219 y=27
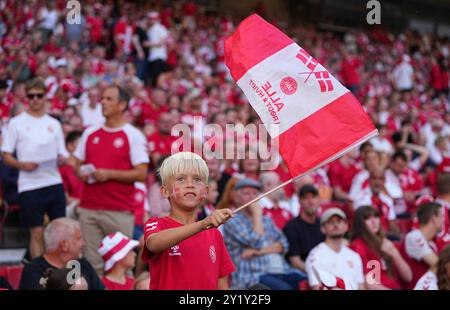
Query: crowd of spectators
x=386 y=202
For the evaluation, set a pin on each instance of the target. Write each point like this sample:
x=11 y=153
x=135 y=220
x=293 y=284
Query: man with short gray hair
x=63 y=249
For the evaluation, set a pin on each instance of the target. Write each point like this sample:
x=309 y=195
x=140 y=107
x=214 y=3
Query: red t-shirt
x=162 y=144
x=196 y=263
x=119 y=149
x=368 y=255
x=279 y=216
x=72 y=184
x=114 y=286
x=342 y=176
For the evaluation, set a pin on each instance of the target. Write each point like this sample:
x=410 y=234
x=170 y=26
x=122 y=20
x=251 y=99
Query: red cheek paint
x=176 y=192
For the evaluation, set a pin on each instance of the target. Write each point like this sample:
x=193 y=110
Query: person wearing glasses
x=34 y=144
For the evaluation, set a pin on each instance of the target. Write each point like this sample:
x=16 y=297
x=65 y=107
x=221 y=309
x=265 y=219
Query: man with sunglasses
x=33 y=144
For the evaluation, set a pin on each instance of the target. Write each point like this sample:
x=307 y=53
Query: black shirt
x=302 y=237
x=36 y=269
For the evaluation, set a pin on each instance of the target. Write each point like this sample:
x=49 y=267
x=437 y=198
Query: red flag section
x=312 y=115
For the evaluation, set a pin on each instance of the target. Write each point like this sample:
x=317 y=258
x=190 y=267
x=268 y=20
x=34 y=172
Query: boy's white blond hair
x=180 y=163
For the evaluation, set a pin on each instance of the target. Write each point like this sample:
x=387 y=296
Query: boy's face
x=186 y=190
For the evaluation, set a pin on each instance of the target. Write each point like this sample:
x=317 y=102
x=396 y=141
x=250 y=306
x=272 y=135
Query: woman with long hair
x=438 y=278
x=383 y=265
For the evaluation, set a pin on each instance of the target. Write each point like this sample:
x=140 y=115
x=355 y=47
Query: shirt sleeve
x=138 y=149
x=152 y=226
x=80 y=151
x=416 y=246
x=61 y=143
x=9 y=139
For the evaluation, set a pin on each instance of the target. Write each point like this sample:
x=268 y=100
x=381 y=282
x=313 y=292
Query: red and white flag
x=313 y=117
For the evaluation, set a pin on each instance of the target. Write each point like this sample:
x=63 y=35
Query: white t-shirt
x=345 y=264
x=428 y=282
x=38 y=140
x=89 y=116
x=403 y=76
x=157 y=34
x=50 y=19
x=417 y=246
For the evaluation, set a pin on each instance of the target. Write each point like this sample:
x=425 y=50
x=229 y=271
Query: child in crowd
x=184 y=253
x=117 y=252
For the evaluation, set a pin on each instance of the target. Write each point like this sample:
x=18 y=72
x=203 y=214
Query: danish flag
x=320 y=121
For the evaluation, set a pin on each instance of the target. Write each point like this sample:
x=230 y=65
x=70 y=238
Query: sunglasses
x=38 y=95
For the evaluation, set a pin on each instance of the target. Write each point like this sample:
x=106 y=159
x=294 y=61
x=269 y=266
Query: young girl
x=117 y=252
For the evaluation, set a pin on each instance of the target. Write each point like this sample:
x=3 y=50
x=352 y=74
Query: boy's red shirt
x=196 y=263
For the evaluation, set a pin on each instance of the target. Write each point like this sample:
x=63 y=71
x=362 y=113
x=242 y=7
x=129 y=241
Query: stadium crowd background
x=401 y=79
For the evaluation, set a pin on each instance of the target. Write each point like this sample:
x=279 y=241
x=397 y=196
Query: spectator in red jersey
x=350 y=71
x=376 y=196
x=117 y=252
x=418 y=248
x=160 y=142
x=370 y=242
x=341 y=173
x=113 y=156
x=409 y=180
x=204 y=260
x=274 y=205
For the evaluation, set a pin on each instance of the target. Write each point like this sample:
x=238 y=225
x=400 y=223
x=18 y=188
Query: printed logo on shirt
x=96 y=140
x=419 y=242
x=151 y=226
x=118 y=143
x=174 y=251
x=350 y=264
x=50 y=129
x=212 y=253
x=138 y=197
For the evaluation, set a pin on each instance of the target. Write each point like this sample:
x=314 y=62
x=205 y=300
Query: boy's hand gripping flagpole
x=311 y=116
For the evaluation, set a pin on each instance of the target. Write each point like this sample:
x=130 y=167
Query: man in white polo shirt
x=37 y=141
x=333 y=256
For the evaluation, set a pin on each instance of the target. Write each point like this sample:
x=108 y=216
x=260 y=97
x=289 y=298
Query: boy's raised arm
x=158 y=242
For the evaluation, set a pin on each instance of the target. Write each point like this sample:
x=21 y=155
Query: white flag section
x=313 y=117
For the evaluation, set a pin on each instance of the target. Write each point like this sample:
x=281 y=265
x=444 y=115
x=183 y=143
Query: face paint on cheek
x=176 y=192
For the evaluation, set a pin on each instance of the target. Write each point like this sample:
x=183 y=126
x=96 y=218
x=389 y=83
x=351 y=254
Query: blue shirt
x=239 y=235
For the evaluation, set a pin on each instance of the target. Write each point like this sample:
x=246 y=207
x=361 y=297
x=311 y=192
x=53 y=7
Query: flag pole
x=266 y=194
x=262 y=196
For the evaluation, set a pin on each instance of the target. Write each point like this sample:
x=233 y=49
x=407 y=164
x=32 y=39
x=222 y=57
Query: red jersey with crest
x=196 y=263
x=117 y=149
